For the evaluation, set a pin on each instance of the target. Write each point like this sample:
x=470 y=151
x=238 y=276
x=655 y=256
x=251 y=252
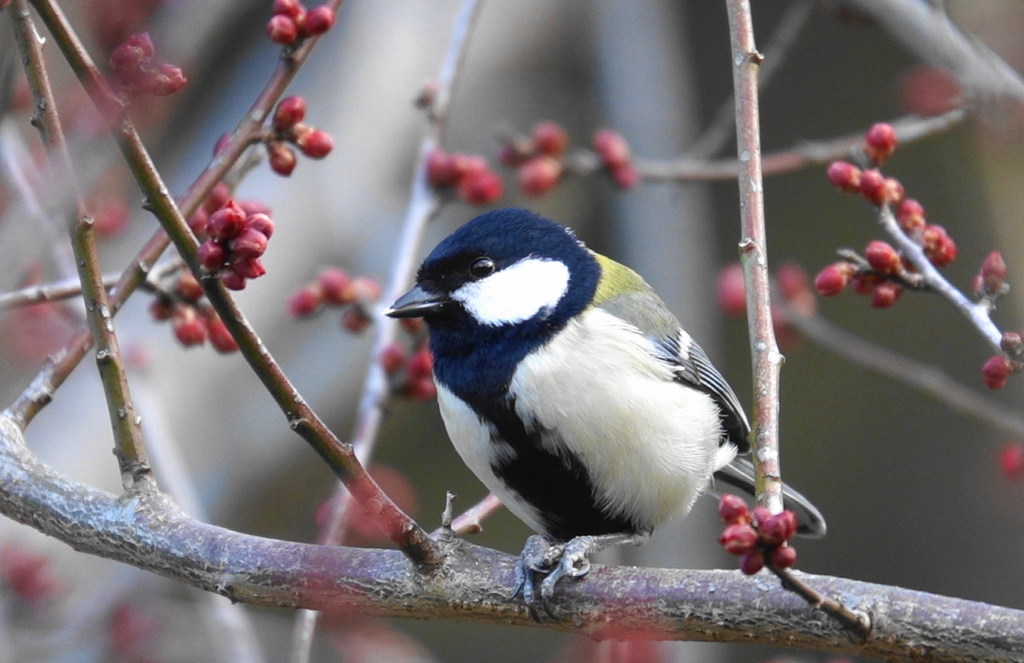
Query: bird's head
x=508 y=269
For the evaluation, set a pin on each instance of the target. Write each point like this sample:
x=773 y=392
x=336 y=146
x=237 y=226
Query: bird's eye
x=481 y=267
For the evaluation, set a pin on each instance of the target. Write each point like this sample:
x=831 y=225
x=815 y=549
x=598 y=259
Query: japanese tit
x=572 y=392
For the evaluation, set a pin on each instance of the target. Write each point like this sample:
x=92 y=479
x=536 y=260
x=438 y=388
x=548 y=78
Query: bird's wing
x=692 y=367
x=636 y=303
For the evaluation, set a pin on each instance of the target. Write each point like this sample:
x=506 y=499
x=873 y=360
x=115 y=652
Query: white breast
x=472 y=440
x=649 y=443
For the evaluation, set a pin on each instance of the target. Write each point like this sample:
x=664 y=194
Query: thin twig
x=909 y=128
x=470 y=520
x=975 y=312
x=131 y=454
x=765 y=353
x=925 y=377
x=424 y=205
x=401 y=529
x=857 y=621
x=48 y=292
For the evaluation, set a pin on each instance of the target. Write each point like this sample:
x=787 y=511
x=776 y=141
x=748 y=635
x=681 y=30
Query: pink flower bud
x=738 y=539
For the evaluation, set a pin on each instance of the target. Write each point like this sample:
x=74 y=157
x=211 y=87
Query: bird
x=573 y=394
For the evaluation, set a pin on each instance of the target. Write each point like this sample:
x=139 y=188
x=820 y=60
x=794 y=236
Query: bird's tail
x=740 y=475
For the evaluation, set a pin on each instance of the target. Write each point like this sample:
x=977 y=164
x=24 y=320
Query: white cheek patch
x=516 y=293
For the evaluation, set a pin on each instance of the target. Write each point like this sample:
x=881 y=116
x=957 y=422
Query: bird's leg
x=560 y=560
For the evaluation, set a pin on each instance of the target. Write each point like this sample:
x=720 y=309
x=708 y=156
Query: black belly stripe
x=557 y=486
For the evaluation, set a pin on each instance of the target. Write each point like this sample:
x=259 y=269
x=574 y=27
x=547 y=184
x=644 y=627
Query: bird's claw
x=556 y=561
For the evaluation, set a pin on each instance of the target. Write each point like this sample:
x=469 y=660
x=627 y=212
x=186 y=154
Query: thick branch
x=473 y=584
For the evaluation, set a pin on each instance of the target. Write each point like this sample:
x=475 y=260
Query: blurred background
x=913 y=492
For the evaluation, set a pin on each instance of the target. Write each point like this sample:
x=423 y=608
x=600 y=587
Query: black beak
x=417 y=303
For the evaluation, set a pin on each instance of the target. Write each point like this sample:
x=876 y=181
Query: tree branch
x=754 y=254
x=473 y=584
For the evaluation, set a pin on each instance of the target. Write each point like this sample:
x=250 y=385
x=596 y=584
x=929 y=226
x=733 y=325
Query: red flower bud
x=289 y=112
x=226 y=223
x=441 y=168
x=217 y=198
x=250 y=243
x=612 y=149
x=232 y=279
x=752 y=562
x=421 y=389
x=362 y=290
x=480 y=188
x=334 y=282
x=317 y=21
x=315 y=144
x=738 y=539
x=392 y=358
x=910 y=215
x=355 y=320
x=882 y=257
x=761 y=515
x=211 y=255
x=1011 y=460
x=220 y=337
x=550 y=138
x=261 y=222
x=189 y=328
x=250 y=268
x=730 y=291
x=844 y=176
x=1010 y=342
x=831 y=280
x=864 y=284
x=893 y=190
x=995 y=371
x=937 y=245
x=167 y=80
x=305 y=301
x=281 y=29
x=625 y=176
x=420 y=364
x=885 y=294
x=872 y=186
x=782 y=557
x=292 y=8
x=732 y=509
x=993 y=273
x=880 y=142
x=281 y=157
x=161 y=309
x=539 y=175
x=779 y=528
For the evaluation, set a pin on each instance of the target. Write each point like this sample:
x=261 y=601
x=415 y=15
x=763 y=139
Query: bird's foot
x=555 y=561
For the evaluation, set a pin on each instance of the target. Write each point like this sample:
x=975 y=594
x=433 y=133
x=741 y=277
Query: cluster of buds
x=537 y=158
x=287 y=127
x=758 y=538
x=234 y=238
x=793 y=285
x=292 y=22
x=334 y=287
x=410 y=374
x=193 y=323
x=468 y=174
x=136 y=71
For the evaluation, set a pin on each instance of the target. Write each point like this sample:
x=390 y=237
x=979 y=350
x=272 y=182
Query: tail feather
x=740 y=475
